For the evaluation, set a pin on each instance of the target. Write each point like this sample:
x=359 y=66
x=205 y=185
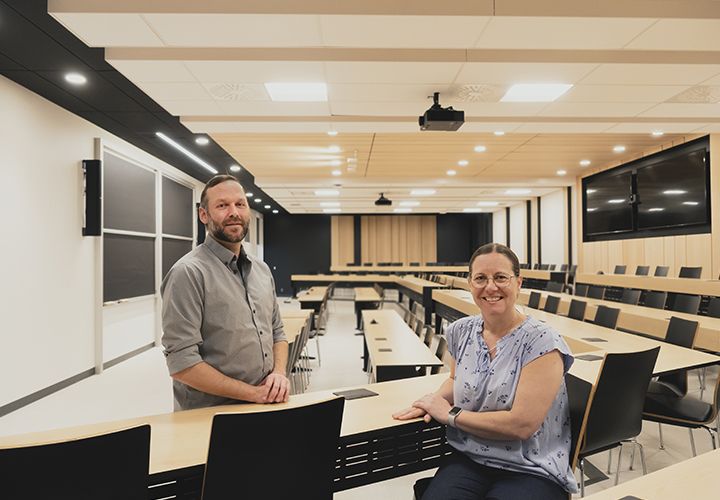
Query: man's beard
x=218 y=232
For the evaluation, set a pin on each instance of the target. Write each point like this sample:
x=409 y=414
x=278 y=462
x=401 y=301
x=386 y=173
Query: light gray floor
x=141 y=386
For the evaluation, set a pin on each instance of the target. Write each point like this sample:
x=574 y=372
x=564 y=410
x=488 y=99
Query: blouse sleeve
x=546 y=340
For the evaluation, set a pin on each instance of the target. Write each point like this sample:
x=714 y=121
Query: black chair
x=544 y=267
x=690 y=272
x=615 y=414
x=429 y=335
x=642 y=271
x=440 y=353
x=606 y=316
x=551 y=267
x=258 y=445
x=680 y=332
x=656 y=300
x=630 y=296
x=554 y=286
x=552 y=303
x=524 y=266
x=661 y=271
x=682 y=302
x=713 y=309
x=111 y=466
x=577 y=309
x=534 y=300
x=581 y=290
x=414 y=264
x=563 y=267
x=596 y=292
x=536 y=266
x=620 y=270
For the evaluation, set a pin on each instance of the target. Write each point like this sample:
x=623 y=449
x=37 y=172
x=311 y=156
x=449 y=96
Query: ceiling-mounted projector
x=382 y=201
x=439 y=118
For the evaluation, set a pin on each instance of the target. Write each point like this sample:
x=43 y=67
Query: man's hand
x=278 y=387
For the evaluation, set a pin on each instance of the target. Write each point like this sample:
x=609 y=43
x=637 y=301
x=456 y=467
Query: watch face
x=455 y=410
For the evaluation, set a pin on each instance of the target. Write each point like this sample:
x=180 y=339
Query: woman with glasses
x=505 y=403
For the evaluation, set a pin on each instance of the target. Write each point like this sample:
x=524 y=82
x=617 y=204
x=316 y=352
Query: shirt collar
x=226 y=256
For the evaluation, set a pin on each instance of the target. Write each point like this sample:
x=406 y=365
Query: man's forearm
x=280 y=356
x=205 y=378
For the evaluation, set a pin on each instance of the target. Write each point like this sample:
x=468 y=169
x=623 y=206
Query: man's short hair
x=218 y=179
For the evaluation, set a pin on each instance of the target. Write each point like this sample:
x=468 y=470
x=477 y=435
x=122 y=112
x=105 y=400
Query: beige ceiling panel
x=689 y=110
x=391 y=72
x=175 y=91
x=110 y=30
x=412 y=109
x=254 y=127
x=595 y=109
x=715 y=80
x=153 y=71
x=349 y=92
x=184 y=108
x=256 y=71
x=650 y=74
x=512 y=73
x=236 y=30
x=680 y=34
x=647 y=128
x=621 y=93
x=560 y=32
x=708 y=128
x=480 y=109
x=476 y=125
x=563 y=128
x=269 y=108
x=401 y=31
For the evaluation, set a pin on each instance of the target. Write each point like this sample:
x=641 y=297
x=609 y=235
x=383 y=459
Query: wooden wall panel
x=403 y=239
x=680 y=255
x=697 y=253
x=616 y=255
x=429 y=239
x=633 y=253
x=342 y=240
x=669 y=257
x=654 y=253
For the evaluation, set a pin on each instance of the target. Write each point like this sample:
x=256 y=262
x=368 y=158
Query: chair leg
x=617 y=472
x=662 y=445
x=692 y=443
x=632 y=457
x=609 y=461
x=317 y=347
x=581 y=466
x=642 y=456
x=711 y=431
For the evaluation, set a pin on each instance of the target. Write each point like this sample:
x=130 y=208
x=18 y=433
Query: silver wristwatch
x=452 y=415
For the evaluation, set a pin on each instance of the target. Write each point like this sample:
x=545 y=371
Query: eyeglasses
x=500 y=280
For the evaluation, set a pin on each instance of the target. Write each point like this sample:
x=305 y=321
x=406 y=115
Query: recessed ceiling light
x=297 y=92
x=274 y=211
x=619 y=149
x=691 y=203
x=561 y=172
x=590 y=191
x=249 y=194
x=332 y=210
x=591 y=209
x=267 y=206
x=258 y=200
x=488 y=203
x=235 y=168
x=329 y=203
x=334 y=149
x=335 y=163
x=472 y=210
x=535 y=92
x=480 y=149
x=332 y=132
x=187 y=153
x=584 y=163
x=657 y=133
x=202 y=140
x=327 y=192
x=402 y=210
x=463 y=163
x=451 y=172
x=674 y=191
x=499 y=133
x=615 y=201
x=336 y=172
x=422 y=192
x=655 y=209
x=518 y=191
x=75 y=78
x=409 y=203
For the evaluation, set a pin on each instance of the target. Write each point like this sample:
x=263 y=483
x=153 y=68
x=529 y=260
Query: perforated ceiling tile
x=236 y=92
x=699 y=94
x=478 y=93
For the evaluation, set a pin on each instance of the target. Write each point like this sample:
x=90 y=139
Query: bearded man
x=222 y=332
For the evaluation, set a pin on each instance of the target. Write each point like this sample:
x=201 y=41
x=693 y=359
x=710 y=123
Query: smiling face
x=494 y=286
x=227 y=215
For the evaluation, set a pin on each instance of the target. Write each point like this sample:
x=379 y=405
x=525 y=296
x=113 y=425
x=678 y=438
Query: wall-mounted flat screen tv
x=608 y=207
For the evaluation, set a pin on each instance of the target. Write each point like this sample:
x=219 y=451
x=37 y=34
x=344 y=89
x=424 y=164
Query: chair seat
x=420 y=486
x=689 y=408
x=661 y=388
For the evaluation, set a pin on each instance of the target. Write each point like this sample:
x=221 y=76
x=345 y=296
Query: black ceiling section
x=36 y=52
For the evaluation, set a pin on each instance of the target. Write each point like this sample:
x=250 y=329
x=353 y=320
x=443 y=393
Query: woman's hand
x=408 y=413
x=434 y=406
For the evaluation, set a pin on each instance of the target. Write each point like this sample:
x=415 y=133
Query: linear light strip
x=186 y=152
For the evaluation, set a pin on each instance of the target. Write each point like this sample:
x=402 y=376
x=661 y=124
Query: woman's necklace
x=491 y=350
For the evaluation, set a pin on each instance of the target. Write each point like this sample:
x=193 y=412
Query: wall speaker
x=92 y=197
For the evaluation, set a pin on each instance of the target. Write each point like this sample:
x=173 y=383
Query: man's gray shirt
x=220 y=312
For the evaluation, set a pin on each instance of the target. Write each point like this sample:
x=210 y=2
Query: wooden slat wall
x=342 y=240
x=411 y=238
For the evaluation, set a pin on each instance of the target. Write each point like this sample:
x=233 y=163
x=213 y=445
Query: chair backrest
x=300 y=444
x=414 y=264
x=440 y=353
x=616 y=409
x=607 y=316
x=690 y=272
x=544 y=267
x=534 y=300
x=551 y=304
x=577 y=309
x=554 y=286
x=630 y=296
x=713 y=309
x=662 y=271
x=551 y=267
x=620 y=269
x=564 y=267
x=429 y=335
x=655 y=300
x=579 y=394
x=683 y=302
x=536 y=266
x=419 y=328
x=581 y=290
x=596 y=292
x=110 y=466
x=642 y=271
x=680 y=332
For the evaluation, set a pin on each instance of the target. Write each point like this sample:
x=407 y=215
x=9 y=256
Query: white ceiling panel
x=680 y=34
x=710 y=128
x=153 y=71
x=647 y=128
x=650 y=74
x=714 y=80
x=256 y=71
x=481 y=109
x=511 y=73
x=563 y=128
x=110 y=30
x=672 y=109
x=261 y=108
x=379 y=108
x=175 y=91
x=401 y=31
x=560 y=32
x=348 y=92
x=597 y=109
x=391 y=72
x=621 y=93
x=236 y=30
x=189 y=108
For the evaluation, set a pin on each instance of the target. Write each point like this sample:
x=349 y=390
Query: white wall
x=553 y=220
x=499 y=225
x=518 y=230
x=48 y=288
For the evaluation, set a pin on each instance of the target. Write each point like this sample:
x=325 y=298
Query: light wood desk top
x=677 y=285
x=180 y=439
x=417 y=284
x=462 y=283
x=366 y=294
x=402 y=269
x=645 y=320
x=695 y=478
x=293 y=327
x=390 y=332
x=349 y=278
x=537 y=274
x=314 y=294
x=295 y=313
